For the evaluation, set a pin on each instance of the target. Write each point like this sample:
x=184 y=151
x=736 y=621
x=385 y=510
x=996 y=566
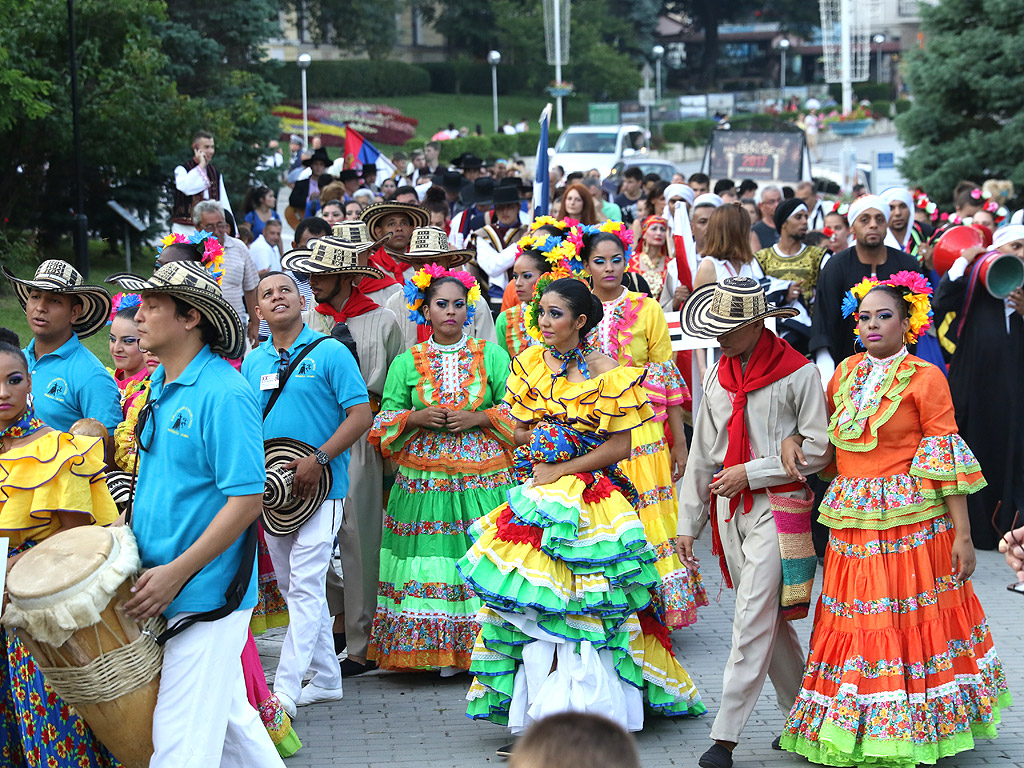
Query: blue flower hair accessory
x=415 y=291
x=123 y=301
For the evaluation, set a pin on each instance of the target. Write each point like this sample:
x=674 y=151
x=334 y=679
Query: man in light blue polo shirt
x=68 y=381
x=200 y=487
x=322 y=402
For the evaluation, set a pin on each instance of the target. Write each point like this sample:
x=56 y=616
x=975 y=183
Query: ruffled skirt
x=566 y=574
x=902 y=669
x=649 y=467
x=270 y=610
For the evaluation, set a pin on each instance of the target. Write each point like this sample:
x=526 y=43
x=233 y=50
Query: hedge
x=356 y=78
x=870 y=91
x=488 y=147
x=464 y=76
x=695 y=133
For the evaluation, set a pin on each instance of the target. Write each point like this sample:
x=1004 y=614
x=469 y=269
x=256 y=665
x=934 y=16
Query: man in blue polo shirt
x=68 y=381
x=200 y=487
x=322 y=402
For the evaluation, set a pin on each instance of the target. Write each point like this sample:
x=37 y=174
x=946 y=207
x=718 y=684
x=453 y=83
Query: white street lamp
x=658 y=52
x=783 y=47
x=494 y=59
x=878 y=40
x=303 y=62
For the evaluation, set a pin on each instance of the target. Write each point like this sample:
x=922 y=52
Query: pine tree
x=967 y=119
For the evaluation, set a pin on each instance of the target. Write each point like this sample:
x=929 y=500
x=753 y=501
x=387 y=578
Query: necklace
x=653 y=272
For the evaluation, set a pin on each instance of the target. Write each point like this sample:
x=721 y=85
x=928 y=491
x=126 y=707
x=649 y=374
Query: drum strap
x=240 y=583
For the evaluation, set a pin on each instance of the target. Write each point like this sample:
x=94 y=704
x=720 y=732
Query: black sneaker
x=339 y=642
x=716 y=757
x=777 y=743
x=505 y=751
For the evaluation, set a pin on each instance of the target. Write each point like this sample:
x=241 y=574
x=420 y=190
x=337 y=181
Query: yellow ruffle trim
x=56 y=472
x=615 y=401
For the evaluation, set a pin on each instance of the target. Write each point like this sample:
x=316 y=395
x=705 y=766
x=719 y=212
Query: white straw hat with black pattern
x=428 y=244
x=358 y=234
x=717 y=309
x=193 y=284
x=282 y=512
x=330 y=255
x=58 y=276
x=375 y=213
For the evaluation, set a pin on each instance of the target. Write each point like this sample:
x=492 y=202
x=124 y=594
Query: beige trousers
x=762 y=642
x=354 y=593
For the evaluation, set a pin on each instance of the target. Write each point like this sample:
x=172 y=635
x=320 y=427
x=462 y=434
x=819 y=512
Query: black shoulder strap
x=294 y=364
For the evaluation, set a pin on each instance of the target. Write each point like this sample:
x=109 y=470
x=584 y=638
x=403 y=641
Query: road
x=389 y=720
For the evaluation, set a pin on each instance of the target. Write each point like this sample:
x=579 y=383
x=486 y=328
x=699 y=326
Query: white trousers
x=301 y=560
x=203 y=717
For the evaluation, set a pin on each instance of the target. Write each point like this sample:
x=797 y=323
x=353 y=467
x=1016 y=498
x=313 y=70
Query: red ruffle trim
x=650 y=625
x=595 y=491
x=516 y=533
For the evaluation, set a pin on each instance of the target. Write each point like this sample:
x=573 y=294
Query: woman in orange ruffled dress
x=902 y=669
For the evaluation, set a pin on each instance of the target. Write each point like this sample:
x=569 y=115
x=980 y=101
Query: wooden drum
x=65 y=603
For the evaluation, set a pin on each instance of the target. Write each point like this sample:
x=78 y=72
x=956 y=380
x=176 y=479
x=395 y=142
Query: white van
x=582 y=147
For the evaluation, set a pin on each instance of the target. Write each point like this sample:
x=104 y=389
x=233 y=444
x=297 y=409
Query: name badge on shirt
x=269 y=381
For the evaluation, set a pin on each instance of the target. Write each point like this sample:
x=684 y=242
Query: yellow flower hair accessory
x=416 y=290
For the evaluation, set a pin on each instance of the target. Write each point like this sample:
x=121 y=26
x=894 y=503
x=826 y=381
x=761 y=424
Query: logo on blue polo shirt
x=56 y=390
x=307 y=368
x=181 y=421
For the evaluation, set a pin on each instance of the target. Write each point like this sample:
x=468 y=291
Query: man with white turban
x=904 y=232
x=832 y=338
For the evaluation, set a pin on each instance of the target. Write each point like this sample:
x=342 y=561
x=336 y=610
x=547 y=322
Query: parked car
x=663 y=168
x=582 y=147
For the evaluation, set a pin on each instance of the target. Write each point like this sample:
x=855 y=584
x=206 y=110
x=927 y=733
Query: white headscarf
x=867 y=203
x=684 y=191
x=679 y=225
x=1008 y=234
x=708 y=198
x=903 y=195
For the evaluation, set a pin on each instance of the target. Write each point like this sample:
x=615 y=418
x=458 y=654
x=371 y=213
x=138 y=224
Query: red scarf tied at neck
x=772 y=359
x=357 y=304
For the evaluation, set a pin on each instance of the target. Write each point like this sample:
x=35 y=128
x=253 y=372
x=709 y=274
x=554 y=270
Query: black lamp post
x=80 y=225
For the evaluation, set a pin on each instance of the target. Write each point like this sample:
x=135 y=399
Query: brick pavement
x=389 y=720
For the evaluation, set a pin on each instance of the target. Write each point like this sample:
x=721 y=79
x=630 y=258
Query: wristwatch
x=322 y=458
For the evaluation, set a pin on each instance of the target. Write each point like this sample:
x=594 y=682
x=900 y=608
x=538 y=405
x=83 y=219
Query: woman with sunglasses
x=902 y=668
x=46 y=486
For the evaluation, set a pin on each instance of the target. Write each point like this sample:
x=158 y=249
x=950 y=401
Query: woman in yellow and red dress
x=902 y=668
x=633 y=332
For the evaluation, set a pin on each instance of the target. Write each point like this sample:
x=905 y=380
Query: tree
x=357 y=26
x=792 y=15
x=129 y=108
x=469 y=26
x=967 y=118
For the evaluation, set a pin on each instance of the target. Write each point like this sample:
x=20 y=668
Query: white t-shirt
x=265 y=256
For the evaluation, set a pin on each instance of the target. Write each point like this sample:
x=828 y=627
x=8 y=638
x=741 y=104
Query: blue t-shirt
x=206 y=446
x=71 y=383
x=312 y=405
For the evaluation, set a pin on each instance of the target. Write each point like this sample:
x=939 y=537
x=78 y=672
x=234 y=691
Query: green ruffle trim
x=840 y=748
x=895 y=381
x=853 y=518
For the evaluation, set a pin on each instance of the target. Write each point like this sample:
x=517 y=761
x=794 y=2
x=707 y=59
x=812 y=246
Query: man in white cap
x=832 y=337
x=904 y=233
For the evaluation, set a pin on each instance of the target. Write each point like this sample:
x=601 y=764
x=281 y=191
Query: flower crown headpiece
x=922 y=201
x=211 y=252
x=915 y=289
x=416 y=291
x=617 y=228
x=123 y=301
x=570 y=266
x=553 y=248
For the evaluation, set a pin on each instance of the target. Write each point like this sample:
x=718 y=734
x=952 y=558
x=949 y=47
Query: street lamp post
x=878 y=40
x=658 y=52
x=783 y=47
x=303 y=62
x=494 y=59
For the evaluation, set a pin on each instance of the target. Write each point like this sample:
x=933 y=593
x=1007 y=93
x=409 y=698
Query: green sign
x=604 y=113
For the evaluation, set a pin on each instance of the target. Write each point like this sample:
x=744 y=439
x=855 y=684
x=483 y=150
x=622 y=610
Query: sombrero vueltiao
x=330 y=255
x=717 y=309
x=282 y=512
x=375 y=213
x=120 y=486
x=190 y=282
x=428 y=244
x=58 y=276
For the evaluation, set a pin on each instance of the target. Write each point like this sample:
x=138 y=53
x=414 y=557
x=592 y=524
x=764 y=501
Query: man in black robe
x=985 y=376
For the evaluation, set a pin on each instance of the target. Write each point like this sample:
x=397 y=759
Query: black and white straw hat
x=190 y=282
x=375 y=213
x=717 y=309
x=58 y=276
x=428 y=244
x=282 y=512
x=330 y=255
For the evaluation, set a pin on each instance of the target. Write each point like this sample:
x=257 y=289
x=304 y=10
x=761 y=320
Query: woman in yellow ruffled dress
x=633 y=332
x=563 y=567
x=49 y=481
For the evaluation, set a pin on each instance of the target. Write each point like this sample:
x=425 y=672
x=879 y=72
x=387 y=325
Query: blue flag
x=541 y=179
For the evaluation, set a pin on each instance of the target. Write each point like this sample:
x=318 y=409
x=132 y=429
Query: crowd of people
x=483 y=407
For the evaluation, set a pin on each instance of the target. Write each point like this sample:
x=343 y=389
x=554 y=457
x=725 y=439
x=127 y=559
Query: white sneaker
x=286 y=704
x=314 y=694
